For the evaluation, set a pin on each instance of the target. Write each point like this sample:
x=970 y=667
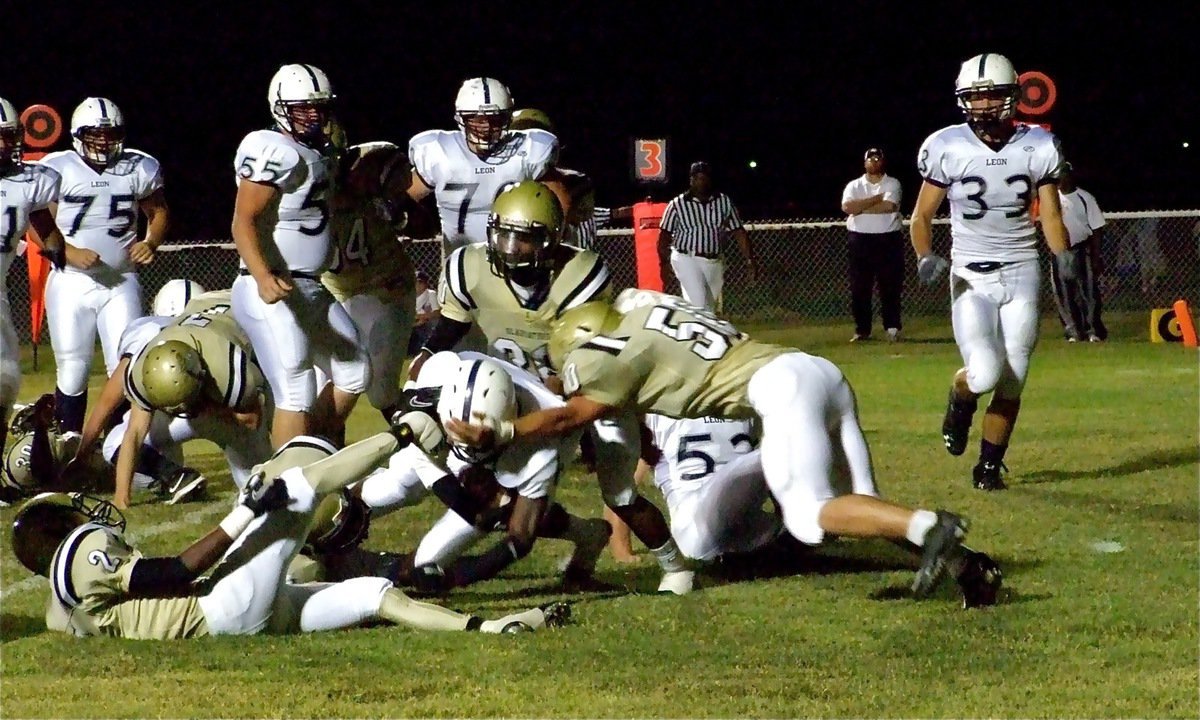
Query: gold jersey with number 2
x=518 y=328
x=670 y=358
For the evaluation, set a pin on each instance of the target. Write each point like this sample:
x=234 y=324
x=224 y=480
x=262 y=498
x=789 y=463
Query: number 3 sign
x=650 y=160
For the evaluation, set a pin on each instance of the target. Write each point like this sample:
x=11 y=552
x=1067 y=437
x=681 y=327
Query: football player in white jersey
x=104 y=185
x=467 y=168
x=281 y=229
x=991 y=168
x=26 y=192
x=712 y=480
x=473 y=384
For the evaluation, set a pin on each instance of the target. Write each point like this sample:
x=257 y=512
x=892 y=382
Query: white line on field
x=191 y=518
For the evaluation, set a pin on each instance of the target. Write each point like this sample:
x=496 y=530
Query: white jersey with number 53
x=298 y=225
x=693 y=450
x=990 y=191
x=465 y=184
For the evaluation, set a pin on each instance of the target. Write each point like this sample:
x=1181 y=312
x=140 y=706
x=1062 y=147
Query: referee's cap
x=700 y=166
x=873 y=152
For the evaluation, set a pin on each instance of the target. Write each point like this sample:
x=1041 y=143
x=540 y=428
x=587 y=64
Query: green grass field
x=1097 y=537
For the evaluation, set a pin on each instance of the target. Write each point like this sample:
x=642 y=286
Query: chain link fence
x=1151 y=260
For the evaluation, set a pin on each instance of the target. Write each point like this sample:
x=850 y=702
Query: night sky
x=802 y=92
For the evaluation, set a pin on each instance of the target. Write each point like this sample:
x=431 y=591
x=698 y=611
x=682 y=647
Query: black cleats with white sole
x=956 y=425
x=986 y=476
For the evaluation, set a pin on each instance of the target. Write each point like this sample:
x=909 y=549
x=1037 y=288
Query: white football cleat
x=678 y=582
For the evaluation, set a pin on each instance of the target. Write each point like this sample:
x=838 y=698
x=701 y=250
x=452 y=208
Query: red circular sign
x=43 y=126
x=1037 y=93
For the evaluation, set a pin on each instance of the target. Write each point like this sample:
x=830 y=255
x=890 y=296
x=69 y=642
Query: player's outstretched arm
x=110 y=399
x=553 y=422
x=135 y=435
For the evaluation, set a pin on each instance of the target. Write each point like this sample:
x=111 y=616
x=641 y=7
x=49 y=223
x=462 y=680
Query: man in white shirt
x=428 y=310
x=1078 y=300
x=872 y=206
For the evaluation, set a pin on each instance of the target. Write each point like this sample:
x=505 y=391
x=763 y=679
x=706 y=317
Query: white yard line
x=191 y=518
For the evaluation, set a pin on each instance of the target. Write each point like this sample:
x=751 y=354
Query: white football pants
x=77 y=306
x=724 y=513
x=813 y=448
x=10 y=359
x=384 y=328
x=700 y=279
x=995 y=318
x=292 y=337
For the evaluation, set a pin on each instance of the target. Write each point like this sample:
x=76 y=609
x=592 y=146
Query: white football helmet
x=483 y=110
x=12 y=134
x=98 y=130
x=174 y=296
x=480 y=392
x=987 y=89
x=300 y=98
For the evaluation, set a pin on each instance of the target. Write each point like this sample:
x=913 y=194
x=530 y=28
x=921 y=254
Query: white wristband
x=236 y=522
x=504 y=432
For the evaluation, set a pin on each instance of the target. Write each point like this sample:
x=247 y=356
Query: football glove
x=261 y=495
x=931 y=268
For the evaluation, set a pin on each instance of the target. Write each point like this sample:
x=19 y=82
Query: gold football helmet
x=173 y=375
x=524 y=228
x=579 y=325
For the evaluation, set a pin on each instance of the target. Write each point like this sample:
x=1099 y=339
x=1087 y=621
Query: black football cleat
x=956 y=426
x=987 y=476
x=942 y=542
x=979 y=579
x=557 y=614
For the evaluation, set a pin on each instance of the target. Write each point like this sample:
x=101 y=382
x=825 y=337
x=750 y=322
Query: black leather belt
x=986 y=267
x=302 y=275
x=706 y=256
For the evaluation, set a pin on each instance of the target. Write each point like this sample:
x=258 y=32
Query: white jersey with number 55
x=465 y=184
x=693 y=450
x=990 y=191
x=99 y=210
x=298 y=225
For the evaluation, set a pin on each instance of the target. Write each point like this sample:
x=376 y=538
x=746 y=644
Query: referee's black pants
x=876 y=258
x=1078 y=301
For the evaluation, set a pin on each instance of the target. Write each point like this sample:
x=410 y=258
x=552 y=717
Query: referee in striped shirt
x=693 y=226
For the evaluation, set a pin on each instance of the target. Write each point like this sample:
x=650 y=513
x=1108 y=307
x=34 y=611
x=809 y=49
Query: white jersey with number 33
x=990 y=191
x=465 y=184
x=298 y=224
x=99 y=210
x=693 y=450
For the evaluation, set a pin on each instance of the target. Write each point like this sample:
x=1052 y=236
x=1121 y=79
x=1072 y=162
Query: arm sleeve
x=271 y=163
x=670 y=218
x=423 y=156
x=454 y=293
x=160 y=577
x=149 y=177
x=931 y=162
x=445 y=334
x=1047 y=161
x=542 y=154
x=599 y=377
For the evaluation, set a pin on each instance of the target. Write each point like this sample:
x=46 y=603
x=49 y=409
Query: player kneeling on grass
x=102 y=585
x=510 y=489
x=655 y=353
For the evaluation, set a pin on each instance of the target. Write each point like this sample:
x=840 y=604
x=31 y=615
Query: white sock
x=921 y=522
x=669 y=558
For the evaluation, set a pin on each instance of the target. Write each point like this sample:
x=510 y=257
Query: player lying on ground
x=102 y=585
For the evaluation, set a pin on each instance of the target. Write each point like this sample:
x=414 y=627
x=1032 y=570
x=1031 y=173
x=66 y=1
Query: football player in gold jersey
x=514 y=288
x=200 y=367
x=371 y=274
x=655 y=353
x=101 y=585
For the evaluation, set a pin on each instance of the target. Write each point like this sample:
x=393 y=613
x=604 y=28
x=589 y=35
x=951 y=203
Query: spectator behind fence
x=693 y=226
x=428 y=310
x=872 y=204
x=1078 y=300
